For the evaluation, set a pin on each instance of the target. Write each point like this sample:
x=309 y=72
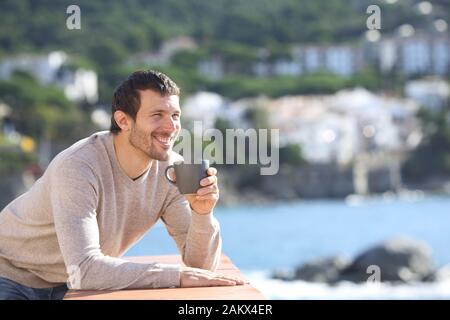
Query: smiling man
x=100 y=196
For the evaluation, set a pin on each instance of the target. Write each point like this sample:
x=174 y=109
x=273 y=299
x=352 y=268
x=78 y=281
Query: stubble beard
x=143 y=142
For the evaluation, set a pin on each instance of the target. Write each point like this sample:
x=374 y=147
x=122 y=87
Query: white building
x=212 y=68
x=387 y=55
x=329 y=128
x=415 y=54
x=165 y=53
x=324 y=136
x=78 y=85
x=343 y=60
x=336 y=128
x=43 y=67
x=340 y=60
x=431 y=93
x=441 y=56
x=312 y=59
x=287 y=68
x=81 y=85
x=262 y=69
x=170 y=47
x=205 y=107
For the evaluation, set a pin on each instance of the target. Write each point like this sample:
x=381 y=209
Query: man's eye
x=156 y=115
x=176 y=116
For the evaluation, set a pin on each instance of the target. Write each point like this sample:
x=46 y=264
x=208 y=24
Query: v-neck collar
x=117 y=167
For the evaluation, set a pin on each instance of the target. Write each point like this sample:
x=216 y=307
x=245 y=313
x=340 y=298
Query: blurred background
x=363 y=116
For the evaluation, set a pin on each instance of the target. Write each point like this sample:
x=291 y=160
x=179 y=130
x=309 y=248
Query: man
x=100 y=196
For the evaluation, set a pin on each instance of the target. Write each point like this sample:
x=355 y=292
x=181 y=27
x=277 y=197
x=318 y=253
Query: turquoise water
x=282 y=236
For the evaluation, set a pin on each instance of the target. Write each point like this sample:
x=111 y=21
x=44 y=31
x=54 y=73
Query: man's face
x=157 y=125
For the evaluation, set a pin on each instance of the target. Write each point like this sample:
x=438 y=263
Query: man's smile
x=164 y=140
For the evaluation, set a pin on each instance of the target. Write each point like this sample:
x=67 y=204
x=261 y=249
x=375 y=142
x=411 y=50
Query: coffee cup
x=188 y=175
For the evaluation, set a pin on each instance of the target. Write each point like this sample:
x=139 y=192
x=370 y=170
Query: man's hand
x=207 y=195
x=194 y=277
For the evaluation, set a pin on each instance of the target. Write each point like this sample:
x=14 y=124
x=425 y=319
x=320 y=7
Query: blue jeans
x=11 y=290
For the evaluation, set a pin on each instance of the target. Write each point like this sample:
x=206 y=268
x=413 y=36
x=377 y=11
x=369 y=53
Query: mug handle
x=167 y=174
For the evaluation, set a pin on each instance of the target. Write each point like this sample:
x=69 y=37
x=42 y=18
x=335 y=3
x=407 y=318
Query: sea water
x=261 y=239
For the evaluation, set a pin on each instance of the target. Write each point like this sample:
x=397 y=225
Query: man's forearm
x=107 y=273
x=203 y=243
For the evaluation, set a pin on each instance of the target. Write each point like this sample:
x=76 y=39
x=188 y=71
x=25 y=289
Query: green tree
x=292 y=154
x=39 y=111
x=431 y=159
x=107 y=53
x=258 y=117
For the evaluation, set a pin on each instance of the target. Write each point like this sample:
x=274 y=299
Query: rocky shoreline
x=255 y=197
x=248 y=187
x=230 y=196
x=397 y=261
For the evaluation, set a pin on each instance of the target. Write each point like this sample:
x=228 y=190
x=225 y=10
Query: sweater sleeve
x=197 y=236
x=74 y=189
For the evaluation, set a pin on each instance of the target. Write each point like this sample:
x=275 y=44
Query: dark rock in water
x=283 y=274
x=398 y=260
x=322 y=270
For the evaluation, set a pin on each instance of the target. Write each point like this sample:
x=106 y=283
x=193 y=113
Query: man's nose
x=170 y=124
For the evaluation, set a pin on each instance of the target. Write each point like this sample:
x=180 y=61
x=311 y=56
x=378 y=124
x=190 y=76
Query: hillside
x=134 y=25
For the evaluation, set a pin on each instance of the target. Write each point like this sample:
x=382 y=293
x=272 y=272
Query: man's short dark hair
x=127 y=97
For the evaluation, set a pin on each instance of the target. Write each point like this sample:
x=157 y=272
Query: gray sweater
x=85 y=212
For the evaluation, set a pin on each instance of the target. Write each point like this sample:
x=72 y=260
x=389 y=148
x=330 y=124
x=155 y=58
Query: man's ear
x=122 y=120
